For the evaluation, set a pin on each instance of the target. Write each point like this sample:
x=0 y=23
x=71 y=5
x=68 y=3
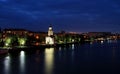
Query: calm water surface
x=89 y=58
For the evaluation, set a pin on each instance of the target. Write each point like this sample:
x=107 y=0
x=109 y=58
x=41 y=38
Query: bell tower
x=50 y=37
x=50 y=31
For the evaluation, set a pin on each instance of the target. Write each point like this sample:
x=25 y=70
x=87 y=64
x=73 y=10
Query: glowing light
x=85 y=37
x=102 y=42
x=73 y=40
x=73 y=46
x=6 y=44
x=50 y=31
x=7 y=41
x=7 y=64
x=37 y=37
x=50 y=28
x=22 y=61
x=22 y=54
x=49 y=60
x=22 y=41
x=49 y=40
x=37 y=43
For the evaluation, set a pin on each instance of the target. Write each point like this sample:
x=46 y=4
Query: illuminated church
x=50 y=38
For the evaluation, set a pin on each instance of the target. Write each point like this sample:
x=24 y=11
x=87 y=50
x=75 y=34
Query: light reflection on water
x=22 y=62
x=112 y=41
x=73 y=46
x=72 y=53
x=60 y=53
x=102 y=42
x=7 y=65
x=86 y=57
x=49 y=60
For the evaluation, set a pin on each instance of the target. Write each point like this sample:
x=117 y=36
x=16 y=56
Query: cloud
x=81 y=13
x=3 y=0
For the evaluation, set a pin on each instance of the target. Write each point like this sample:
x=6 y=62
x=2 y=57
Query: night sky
x=67 y=15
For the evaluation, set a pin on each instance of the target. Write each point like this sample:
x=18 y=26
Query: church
x=50 y=37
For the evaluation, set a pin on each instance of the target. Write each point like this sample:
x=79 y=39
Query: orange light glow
x=37 y=43
x=37 y=37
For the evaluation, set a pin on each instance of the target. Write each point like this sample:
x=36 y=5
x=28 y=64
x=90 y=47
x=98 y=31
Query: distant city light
x=37 y=37
x=7 y=41
x=6 y=44
x=22 y=41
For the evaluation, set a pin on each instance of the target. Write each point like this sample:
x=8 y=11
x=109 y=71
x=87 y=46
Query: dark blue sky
x=68 y=15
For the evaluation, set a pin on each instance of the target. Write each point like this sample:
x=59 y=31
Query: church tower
x=50 y=31
x=50 y=38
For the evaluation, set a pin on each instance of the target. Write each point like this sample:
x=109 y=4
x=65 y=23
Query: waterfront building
x=98 y=34
x=63 y=38
x=18 y=32
x=37 y=38
x=14 y=37
x=50 y=37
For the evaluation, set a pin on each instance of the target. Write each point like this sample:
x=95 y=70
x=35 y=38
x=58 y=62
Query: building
x=98 y=34
x=50 y=31
x=18 y=32
x=37 y=38
x=50 y=38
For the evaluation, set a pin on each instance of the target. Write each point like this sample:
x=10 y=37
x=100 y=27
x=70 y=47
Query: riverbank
x=3 y=52
x=17 y=49
x=30 y=48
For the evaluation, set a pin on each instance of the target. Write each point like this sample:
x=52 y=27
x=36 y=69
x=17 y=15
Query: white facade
x=50 y=31
x=50 y=39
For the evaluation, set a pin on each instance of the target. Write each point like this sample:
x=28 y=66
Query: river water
x=89 y=58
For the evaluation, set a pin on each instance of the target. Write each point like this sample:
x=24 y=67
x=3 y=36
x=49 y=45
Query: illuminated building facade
x=50 y=38
x=50 y=31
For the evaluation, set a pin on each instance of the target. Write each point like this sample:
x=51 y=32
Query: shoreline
x=16 y=49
